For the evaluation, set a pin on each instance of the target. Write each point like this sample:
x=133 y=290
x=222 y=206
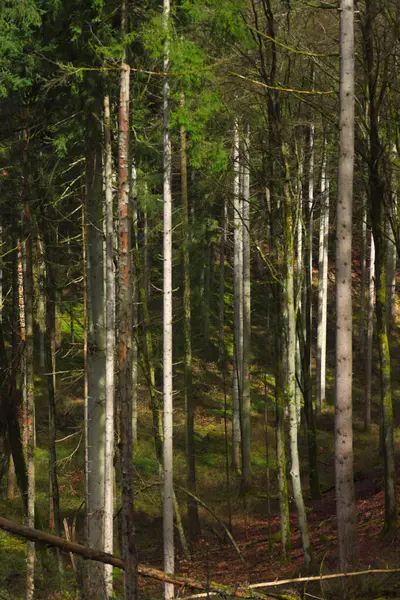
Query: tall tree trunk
x=125 y=330
x=290 y=384
x=246 y=399
x=391 y=255
x=110 y=350
x=15 y=393
x=237 y=293
x=345 y=500
x=222 y=351
x=168 y=506
x=305 y=332
x=370 y=335
x=322 y=288
x=29 y=382
x=361 y=335
x=95 y=359
x=299 y=293
x=50 y=364
x=22 y=330
x=135 y=297
x=193 y=515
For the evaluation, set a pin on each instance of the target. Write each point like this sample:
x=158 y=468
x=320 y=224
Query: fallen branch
x=270 y=584
x=35 y=535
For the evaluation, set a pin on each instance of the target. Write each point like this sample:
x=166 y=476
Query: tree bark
x=345 y=500
x=29 y=381
x=361 y=335
x=193 y=515
x=168 y=506
x=246 y=398
x=290 y=383
x=322 y=288
x=95 y=356
x=125 y=332
x=238 y=315
x=110 y=350
x=370 y=335
x=280 y=448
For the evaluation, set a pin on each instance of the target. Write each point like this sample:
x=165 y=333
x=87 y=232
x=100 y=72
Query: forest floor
x=254 y=529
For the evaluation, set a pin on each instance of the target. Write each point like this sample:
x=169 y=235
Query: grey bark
x=370 y=333
x=168 y=505
x=246 y=349
x=345 y=499
x=322 y=288
x=238 y=314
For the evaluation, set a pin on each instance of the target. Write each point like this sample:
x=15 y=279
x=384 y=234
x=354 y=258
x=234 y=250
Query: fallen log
x=36 y=535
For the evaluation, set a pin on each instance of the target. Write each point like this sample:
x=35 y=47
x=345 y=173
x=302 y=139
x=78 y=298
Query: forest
x=199 y=321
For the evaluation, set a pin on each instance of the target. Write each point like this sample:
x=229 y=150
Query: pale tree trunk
x=322 y=288
x=308 y=266
x=22 y=329
x=345 y=499
x=246 y=399
x=168 y=504
x=370 y=335
x=110 y=349
x=95 y=363
x=290 y=384
x=125 y=330
x=222 y=351
x=40 y=293
x=193 y=516
x=299 y=288
x=361 y=335
x=29 y=382
x=305 y=332
x=391 y=255
x=135 y=296
x=237 y=294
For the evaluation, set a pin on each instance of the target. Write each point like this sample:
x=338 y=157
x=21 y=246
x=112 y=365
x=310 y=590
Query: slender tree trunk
x=280 y=448
x=322 y=288
x=168 y=507
x=135 y=296
x=125 y=331
x=85 y=371
x=22 y=329
x=29 y=382
x=110 y=350
x=14 y=419
x=299 y=293
x=95 y=360
x=306 y=329
x=290 y=383
x=391 y=255
x=193 y=516
x=237 y=292
x=361 y=336
x=50 y=364
x=222 y=351
x=246 y=399
x=345 y=499
x=370 y=334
